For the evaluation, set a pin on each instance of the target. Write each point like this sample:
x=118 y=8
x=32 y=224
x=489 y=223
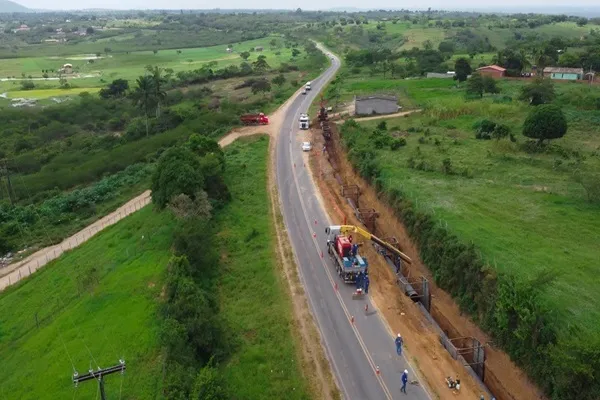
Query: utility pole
x=99 y=376
x=5 y=171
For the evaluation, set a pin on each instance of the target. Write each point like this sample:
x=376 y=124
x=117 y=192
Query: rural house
x=570 y=74
x=376 y=104
x=67 y=69
x=258 y=48
x=492 y=70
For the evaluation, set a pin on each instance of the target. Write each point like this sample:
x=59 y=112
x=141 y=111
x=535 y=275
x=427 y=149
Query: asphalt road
x=355 y=349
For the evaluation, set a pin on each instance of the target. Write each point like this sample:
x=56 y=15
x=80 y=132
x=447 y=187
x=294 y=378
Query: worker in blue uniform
x=404 y=381
x=399 y=342
x=359 y=279
x=366 y=283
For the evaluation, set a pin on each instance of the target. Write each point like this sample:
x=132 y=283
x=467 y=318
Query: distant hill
x=7 y=6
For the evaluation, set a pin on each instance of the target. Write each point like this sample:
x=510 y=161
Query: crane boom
x=344 y=229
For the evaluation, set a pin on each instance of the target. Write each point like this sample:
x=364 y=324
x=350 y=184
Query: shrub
x=545 y=122
x=447 y=166
x=396 y=143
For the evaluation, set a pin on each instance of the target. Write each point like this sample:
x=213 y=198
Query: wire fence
x=37 y=260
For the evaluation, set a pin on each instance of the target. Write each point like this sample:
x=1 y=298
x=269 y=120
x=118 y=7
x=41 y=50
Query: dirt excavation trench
x=503 y=378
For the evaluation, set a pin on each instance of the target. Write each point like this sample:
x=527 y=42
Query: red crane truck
x=254 y=119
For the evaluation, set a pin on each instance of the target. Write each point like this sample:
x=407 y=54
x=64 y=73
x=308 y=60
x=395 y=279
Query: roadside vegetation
x=156 y=290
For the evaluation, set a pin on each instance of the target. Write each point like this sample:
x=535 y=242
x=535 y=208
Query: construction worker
x=399 y=342
x=366 y=283
x=358 y=280
x=404 y=381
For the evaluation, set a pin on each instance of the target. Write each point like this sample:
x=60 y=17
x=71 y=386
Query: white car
x=304 y=91
x=306 y=146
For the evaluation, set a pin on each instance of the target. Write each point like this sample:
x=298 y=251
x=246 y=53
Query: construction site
x=437 y=334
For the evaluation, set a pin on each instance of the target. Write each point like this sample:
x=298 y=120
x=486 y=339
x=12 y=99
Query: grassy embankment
x=119 y=277
x=524 y=212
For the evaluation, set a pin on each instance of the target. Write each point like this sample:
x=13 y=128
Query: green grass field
x=45 y=93
x=99 y=300
x=130 y=66
x=524 y=212
x=252 y=295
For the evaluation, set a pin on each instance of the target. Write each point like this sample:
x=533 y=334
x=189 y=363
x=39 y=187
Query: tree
x=178 y=171
x=546 y=121
x=446 y=47
x=273 y=43
x=475 y=85
x=158 y=81
x=27 y=85
x=279 y=80
x=245 y=55
x=540 y=91
x=260 y=65
x=261 y=85
x=89 y=30
x=183 y=207
x=208 y=384
x=462 y=69
x=117 y=88
x=155 y=52
x=143 y=95
x=490 y=85
x=295 y=53
x=204 y=146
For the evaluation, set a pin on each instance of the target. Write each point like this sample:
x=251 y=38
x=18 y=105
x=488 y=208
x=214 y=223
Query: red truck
x=254 y=119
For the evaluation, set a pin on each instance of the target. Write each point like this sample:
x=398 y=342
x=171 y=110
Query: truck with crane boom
x=344 y=253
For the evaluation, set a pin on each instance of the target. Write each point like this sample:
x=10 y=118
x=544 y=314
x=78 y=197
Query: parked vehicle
x=254 y=119
x=306 y=146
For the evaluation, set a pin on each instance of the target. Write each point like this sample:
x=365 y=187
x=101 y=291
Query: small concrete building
x=67 y=69
x=494 y=71
x=569 y=74
x=258 y=48
x=376 y=104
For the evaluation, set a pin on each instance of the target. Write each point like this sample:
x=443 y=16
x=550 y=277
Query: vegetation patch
x=92 y=306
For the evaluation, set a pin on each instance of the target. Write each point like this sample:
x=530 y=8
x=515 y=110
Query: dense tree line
x=188 y=181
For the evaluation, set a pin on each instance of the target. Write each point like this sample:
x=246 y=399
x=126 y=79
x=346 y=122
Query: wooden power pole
x=99 y=376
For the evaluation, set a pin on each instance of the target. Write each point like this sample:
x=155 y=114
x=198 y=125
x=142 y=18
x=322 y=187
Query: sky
x=293 y=4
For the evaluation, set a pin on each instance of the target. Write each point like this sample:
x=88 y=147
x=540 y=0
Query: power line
x=99 y=376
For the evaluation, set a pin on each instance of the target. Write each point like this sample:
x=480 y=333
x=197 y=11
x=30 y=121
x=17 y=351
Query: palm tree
x=158 y=81
x=143 y=94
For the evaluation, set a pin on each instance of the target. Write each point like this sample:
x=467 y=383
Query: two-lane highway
x=356 y=349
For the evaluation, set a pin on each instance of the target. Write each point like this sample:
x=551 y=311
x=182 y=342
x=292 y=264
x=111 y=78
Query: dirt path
x=504 y=378
x=394 y=115
x=21 y=269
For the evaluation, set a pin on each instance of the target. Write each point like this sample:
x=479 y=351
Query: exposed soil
x=385 y=116
x=502 y=376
